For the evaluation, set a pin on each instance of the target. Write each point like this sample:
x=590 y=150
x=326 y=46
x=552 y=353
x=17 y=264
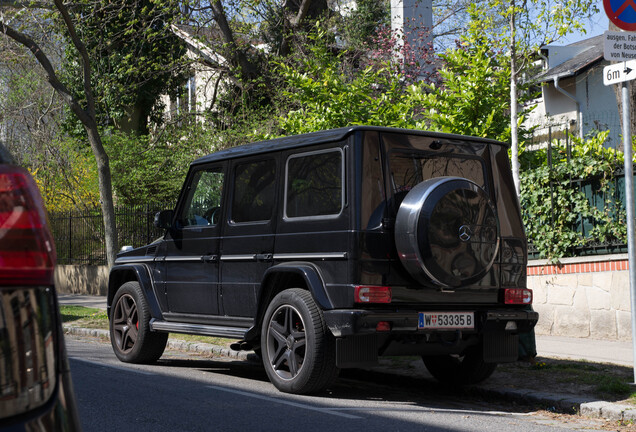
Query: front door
x=192 y=247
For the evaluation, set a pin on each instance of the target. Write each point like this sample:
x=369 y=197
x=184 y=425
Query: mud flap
x=356 y=351
x=500 y=347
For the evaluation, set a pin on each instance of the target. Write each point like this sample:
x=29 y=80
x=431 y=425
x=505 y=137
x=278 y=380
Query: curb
x=551 y=401
x=197 y=347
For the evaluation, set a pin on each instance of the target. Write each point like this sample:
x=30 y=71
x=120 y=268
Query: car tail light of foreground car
x=35 y=385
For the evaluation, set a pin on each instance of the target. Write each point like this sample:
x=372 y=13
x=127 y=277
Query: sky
x=597 y=26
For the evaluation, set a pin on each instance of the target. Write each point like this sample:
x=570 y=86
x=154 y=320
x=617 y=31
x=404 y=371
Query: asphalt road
x=188 y=393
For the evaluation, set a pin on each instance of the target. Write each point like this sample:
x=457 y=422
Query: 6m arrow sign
x=619 y=72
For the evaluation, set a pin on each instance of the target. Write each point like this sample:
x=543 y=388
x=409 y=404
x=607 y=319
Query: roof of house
x=592 y=53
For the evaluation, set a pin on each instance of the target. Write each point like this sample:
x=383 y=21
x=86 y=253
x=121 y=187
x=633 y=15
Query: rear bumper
x=353 y=322
x=358 y=343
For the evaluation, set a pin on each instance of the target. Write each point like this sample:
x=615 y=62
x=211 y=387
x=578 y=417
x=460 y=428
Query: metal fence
x=610 y=201
x=79 y=235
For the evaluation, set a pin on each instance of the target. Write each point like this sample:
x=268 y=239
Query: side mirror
x=163 y=219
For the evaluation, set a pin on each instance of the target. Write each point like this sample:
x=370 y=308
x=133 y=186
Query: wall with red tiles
x=587 y=267
x=585 y=297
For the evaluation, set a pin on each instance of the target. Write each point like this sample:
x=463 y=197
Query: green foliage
x=66 y=176
x=135 y=58
x=554 y=208
x=325 y=90
x=147 y=170
x=469 y=99
x=362 y=24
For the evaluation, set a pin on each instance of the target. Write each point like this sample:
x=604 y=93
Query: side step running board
x=198 y=329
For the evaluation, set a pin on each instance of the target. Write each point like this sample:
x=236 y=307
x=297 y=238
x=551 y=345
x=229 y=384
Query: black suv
x=326 y=250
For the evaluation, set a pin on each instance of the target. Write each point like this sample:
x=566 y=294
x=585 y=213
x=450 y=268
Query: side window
x=254 y=191
x=314 y=184
x=203 y=204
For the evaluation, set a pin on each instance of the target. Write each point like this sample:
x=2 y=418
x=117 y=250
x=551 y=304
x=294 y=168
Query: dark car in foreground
x=36 y=393
x=327 y=250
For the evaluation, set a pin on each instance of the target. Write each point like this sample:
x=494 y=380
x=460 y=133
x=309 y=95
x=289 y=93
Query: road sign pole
x=629 y=206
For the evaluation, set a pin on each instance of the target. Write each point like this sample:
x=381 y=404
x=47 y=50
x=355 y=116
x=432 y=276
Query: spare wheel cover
x=447 y=232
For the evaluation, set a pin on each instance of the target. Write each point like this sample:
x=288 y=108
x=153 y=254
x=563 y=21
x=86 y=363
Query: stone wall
x=584 y=297
x=85 y=279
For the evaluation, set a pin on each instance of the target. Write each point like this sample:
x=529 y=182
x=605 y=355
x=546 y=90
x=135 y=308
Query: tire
x=447 y=232
x=298 y=349
x=468 y=368
x=129 y=326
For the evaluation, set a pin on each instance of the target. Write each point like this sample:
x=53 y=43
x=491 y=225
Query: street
x=188 y=393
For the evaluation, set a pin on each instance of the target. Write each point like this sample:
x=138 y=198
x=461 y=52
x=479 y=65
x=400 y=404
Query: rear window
x=415 y=158
x=409 y=169
x=314 y=184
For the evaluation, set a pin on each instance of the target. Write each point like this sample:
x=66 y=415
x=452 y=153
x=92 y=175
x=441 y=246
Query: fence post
x=70 y=236
x=568 y=149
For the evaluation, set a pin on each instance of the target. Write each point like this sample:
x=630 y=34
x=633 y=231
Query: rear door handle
x=210 y=258
x=264 y=257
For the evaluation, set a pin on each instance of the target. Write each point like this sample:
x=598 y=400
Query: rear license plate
x=446 y=320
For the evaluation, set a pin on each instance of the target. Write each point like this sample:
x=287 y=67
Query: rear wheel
x=467 y=368
x=298 y=349
x=129 y=325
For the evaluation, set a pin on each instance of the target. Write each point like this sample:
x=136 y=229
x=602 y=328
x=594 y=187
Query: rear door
x=248 y=238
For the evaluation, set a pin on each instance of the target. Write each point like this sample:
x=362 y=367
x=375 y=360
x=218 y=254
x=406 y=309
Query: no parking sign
x=622 y=13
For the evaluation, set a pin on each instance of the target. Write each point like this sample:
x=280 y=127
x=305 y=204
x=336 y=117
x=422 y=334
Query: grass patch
x=79 y=316
x=597 y=376
x=85 y=317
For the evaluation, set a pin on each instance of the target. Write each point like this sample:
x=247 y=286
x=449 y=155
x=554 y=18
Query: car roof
x=331 y=135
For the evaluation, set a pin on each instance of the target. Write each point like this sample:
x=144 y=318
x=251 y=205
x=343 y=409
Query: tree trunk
x=105 y=192
x=85 y=114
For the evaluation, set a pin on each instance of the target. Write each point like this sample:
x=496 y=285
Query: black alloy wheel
x=125 y=323
x=286 y=342
x=298 y=350
x=130 y=334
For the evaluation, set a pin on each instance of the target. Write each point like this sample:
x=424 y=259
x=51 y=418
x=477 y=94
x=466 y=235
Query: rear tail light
x=372 y=294
x=27 y=251
x=522 y=296
x=28 y=368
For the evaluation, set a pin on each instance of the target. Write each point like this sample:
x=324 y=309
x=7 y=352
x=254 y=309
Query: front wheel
x=467 y=368
x=129 y=326
x=298 y=349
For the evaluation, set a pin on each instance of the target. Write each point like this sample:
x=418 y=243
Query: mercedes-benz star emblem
x=465 y=233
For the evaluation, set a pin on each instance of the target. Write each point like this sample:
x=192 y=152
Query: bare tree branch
x=302 y=13
x=81 y=49
x=18 y=4
x=52 y=78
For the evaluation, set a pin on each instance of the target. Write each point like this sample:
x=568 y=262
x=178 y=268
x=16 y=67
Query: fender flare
x=130 y=272
x=313 y=281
